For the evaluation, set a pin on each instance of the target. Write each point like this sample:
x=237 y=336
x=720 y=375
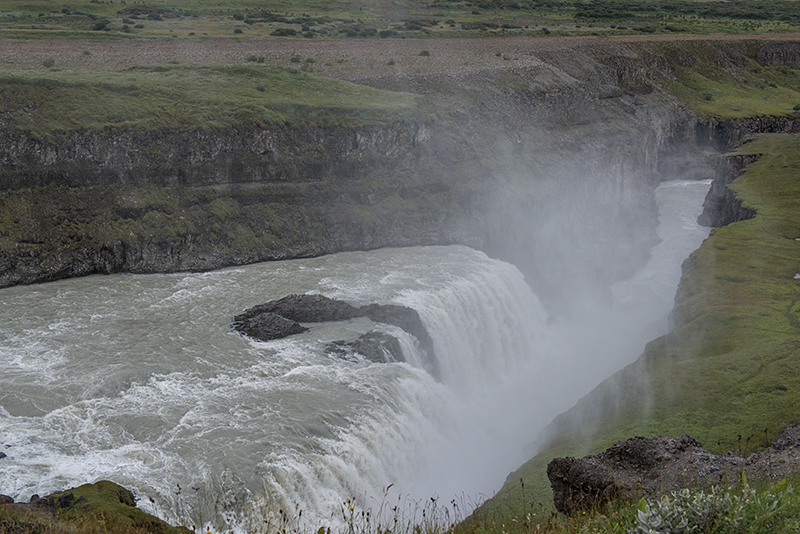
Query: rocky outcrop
x=266 y=326
x=376 y=347
x=650 y=467
x=172 y=158
x=725 y=134
x=87 y=502
x=721 y=207
x=280 y=318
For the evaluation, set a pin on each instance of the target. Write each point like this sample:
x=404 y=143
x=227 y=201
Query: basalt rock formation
x=266 y=326
x=721 y=207
x=376 y=347
x=651 y=467
x=575 y=141
x=280 y=318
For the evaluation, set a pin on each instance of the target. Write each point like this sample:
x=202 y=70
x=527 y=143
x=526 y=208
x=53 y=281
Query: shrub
x=295 y=59
x=390 y=62
x=238 y=30
x=49 y=62
x=425 y=53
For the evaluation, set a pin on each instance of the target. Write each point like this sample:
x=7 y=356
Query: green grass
x=767 y=91
x=192 y=97
x=97 y=508
x=366 y=18
x=715 y=376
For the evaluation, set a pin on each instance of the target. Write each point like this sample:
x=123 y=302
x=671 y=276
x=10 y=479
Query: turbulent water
x=140 y=379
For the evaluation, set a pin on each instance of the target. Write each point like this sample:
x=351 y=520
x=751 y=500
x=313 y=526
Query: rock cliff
x=550 y=166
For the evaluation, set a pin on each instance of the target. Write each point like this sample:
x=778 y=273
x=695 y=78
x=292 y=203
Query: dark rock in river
x=5 y=499
x=375 y=346
x=267 y=325
x=406 y=318
x=651 y=467
x=318 y=308
x=306 y=309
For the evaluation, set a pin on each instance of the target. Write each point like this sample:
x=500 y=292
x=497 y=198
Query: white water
x=140 y=380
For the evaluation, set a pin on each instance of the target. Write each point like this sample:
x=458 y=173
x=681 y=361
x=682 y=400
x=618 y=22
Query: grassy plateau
x=387 y=19
x=729 y=374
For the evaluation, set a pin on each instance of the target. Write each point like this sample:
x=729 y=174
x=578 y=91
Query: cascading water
x=140 y=379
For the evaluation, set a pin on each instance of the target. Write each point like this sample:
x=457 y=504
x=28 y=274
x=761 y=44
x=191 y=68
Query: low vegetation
x=760 y=508
x=383 y=19
x=98 y=508
x=191 y=97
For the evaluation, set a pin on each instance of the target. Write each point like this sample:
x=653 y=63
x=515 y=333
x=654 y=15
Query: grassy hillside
x=728 y=375
x=189 y=97
x=313 y=19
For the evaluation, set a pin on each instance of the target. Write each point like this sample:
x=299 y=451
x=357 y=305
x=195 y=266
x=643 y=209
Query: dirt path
x=344 y=59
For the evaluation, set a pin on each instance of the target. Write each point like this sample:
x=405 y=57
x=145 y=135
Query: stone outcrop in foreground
x=649 y=467
x=84 y=504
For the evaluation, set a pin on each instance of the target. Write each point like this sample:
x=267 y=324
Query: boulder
x=650 y=467
x=266 y=326
x=629 y=468
x=260 y=322
x=306 y=309
x=377 y=347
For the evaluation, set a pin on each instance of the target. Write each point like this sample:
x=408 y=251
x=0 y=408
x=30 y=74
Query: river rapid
x=140 y=379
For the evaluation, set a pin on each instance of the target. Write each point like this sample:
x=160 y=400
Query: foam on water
x=157 y=391
x=139 y=379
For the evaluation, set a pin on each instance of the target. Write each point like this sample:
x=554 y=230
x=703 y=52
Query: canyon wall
x=514 y=161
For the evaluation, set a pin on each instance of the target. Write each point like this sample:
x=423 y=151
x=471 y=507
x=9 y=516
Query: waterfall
x=157 y=393
x=141 y=380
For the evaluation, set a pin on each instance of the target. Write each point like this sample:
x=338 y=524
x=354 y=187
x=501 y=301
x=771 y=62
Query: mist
x=580 y=258
x=609 y=284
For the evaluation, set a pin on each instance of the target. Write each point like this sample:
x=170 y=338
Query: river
x=139 y=379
